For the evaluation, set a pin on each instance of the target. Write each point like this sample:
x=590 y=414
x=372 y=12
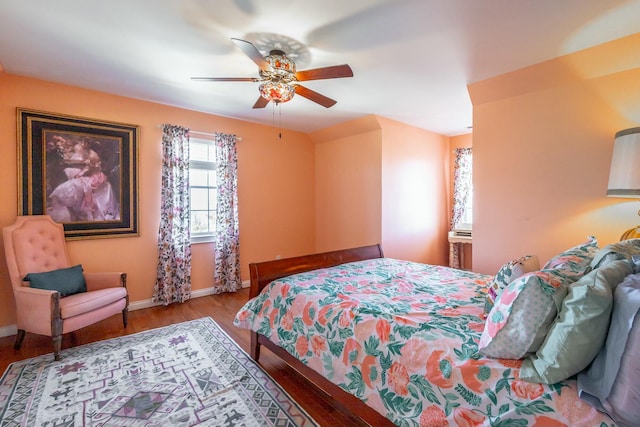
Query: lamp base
x=632 y=233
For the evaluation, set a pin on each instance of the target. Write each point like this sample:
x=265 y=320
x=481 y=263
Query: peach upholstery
x=35 y=244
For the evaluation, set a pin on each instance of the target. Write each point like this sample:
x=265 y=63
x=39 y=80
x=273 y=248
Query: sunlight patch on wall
x=618 y=22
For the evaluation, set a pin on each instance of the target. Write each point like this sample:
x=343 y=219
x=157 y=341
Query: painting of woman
x=78 y=187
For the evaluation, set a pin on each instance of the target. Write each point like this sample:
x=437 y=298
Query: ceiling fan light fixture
x=282 y=68
x=277 y=91
x=276 y=84
x=281 y=62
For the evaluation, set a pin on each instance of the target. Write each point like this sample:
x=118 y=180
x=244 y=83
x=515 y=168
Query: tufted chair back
x=38 y=245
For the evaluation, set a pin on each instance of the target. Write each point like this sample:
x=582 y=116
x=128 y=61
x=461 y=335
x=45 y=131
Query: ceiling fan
x=279 y=80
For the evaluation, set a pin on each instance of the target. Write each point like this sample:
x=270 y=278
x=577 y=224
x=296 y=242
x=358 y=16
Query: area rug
x=188 y=374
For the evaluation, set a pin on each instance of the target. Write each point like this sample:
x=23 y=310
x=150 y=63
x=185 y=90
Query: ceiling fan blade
x=261 y=102
x=315 y=96
x=252 y=52
x=226 y=79
x=333 y=72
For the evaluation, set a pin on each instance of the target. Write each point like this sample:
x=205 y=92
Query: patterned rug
x=189 y=374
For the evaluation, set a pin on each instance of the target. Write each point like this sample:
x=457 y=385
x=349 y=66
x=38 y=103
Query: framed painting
x=82 y=172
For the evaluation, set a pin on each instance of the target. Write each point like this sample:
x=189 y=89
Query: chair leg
x=57 y=346
x=125 y=316
x=19 y=339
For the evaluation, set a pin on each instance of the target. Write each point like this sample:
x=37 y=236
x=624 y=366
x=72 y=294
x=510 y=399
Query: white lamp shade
x=624 y=177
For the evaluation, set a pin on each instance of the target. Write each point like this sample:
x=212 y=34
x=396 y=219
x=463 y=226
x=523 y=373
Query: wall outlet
x=278 y=257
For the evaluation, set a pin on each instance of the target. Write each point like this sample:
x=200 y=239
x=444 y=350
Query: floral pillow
x=507 y=274
x=523 y=314
x=626 y=249
x=574 y=262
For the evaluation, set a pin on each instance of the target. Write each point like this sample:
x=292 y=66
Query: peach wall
x=458 y=141
x=414 y=191
x=348 y=179
x=381 y=181
x=275 y=184
x=542 y=139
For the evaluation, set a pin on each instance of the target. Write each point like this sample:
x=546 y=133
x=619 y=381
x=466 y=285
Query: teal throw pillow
x=67 y=281
x=579 y=332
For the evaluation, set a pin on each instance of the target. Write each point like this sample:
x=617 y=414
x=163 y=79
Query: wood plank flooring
x=221 y=308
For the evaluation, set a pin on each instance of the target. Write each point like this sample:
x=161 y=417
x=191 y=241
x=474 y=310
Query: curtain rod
x=238 y=138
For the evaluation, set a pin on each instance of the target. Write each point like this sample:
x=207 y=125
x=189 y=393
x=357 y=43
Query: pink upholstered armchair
x=36 y=244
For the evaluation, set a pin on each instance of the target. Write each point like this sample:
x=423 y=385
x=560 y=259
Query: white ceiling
x=412 y=59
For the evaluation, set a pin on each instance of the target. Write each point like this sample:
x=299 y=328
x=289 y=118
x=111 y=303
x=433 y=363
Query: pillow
x=612 y=383
x=67 y=281
x=578 y=333
x=523 y=313
x=507 y=274
x=574 y=262
x=625 y=249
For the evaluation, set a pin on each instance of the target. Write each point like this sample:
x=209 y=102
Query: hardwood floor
x=221 y=308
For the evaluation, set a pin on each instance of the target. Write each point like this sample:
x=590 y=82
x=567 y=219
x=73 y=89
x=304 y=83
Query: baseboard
x=138 y=305
x=9 y=330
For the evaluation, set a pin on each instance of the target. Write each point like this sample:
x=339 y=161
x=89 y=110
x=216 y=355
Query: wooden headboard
x=263 y=273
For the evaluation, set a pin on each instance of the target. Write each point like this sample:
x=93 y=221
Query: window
x=202 y=189
x=466 y=221
x=462 y=217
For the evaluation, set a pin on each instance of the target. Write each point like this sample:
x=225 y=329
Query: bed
x=396 y=343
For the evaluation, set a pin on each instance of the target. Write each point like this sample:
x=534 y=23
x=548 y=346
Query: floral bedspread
x=403 y=337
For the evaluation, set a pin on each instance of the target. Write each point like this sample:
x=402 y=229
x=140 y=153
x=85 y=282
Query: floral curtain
x=227 y=248
x=173 y=283
x=461 y=190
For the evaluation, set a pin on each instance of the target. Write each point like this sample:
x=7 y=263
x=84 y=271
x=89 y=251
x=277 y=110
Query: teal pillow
x=67 y=281
x=578 y=333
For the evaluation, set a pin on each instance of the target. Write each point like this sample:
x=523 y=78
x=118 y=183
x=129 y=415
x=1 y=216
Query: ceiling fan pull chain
x=273 y=118
x=280 y=121
x=273 y=114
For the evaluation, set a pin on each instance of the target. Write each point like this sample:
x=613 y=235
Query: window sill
x=203 y=239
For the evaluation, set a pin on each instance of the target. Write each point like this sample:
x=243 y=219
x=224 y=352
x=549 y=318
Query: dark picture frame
x=81 y=171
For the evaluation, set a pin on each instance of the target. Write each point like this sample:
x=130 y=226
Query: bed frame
x=263 y=273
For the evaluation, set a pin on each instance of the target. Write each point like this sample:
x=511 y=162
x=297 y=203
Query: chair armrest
x=33 y=300
x=97 y=281
x=38 y=310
